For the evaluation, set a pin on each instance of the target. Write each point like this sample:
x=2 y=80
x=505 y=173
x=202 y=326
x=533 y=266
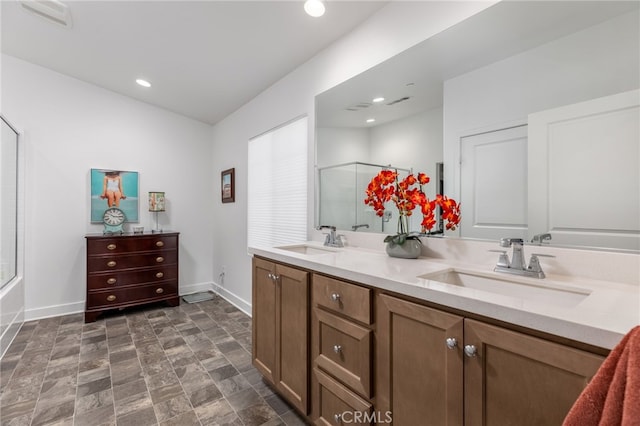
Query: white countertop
x=601 y=315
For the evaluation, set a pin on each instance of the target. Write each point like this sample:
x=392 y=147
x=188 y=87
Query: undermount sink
x=548 y=293
x=308 y=249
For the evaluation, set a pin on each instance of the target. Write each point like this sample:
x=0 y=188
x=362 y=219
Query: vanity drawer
x=342 y=297
x=344 y=351
x=117 y=245
x=131 y=295
x=126 y=261
x=338 y=405
x=104 y=280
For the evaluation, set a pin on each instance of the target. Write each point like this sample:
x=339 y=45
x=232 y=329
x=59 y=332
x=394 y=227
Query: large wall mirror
x=8 y=202
x=527 y=113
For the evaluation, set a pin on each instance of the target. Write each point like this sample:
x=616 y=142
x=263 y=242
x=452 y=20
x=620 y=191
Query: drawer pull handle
x=111 y=246
x=111 y=281
x=111 y=298
x=338 y=418
x=159 y=244
x=159 y=290
x=159 y=259
x=159 y=275
x=452 y=342
x=335 y=297
x=470 y=351
x=111 y=263
x=337 y=348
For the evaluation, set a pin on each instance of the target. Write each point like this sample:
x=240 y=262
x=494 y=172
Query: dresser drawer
x=339 y=406
x=130 y=295
x=116 y=245
x=97 y=281
x=127 y=261
x=344 y=351
x=339 y=296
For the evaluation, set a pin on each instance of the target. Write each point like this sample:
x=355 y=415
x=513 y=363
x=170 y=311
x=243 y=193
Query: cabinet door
x=264 y=318
x=418 y=378
x=516 y=379
x=292 y=335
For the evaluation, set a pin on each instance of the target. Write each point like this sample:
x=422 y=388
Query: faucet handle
x=534 y=263
x=503 y=260
x=508 y=242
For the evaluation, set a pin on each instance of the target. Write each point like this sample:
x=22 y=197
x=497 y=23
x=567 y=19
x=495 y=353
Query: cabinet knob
x=159 y=290
x=470 y=351
x=111 y=246
x=111 y=281
x=159 y=243
x=159 y=275
x=159 y=259
x=335 y=297
x=111 y=298
x=452 y=342
x=337 y=348
x=338 y=418
x=111 y=263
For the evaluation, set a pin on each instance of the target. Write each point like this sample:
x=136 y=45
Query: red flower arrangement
x=386 y=186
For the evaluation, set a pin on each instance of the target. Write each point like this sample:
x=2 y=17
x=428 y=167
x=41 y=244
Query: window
x=8 y=202
x=277 y=186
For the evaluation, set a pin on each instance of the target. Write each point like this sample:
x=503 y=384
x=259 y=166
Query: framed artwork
x=114 y=188
x=228 y=186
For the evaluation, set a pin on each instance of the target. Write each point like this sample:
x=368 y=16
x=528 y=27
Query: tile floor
x=188 y=365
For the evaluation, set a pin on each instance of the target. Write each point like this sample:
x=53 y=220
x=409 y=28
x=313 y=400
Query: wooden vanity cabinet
x=281 y=329
x=434 y=367
x=342 y=358
x=129 y=270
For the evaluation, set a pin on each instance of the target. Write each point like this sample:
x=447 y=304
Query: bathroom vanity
x=351 y=335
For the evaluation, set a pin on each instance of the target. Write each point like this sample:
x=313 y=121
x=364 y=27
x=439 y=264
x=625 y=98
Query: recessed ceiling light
x=379 y=99
x=143 y=83
x=314 y=8
x=370 y=120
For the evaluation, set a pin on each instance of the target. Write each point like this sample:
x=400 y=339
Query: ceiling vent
x=51 y=10
x=359 y=106
x=397 y=101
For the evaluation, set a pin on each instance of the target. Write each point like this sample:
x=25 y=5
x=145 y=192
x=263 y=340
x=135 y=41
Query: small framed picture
x=228 y=186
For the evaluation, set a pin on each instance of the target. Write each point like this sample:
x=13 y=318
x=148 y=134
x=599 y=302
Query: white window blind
x=277 y=186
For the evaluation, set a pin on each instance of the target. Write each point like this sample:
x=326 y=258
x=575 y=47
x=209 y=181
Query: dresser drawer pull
x=111 y=281
x=111 y=263
x=159 y=259
x=335 y=297
x=159 y=290
x=111 y=298
x=159 y=275
x=111 y=246
x=159 y=243
x=337 y=348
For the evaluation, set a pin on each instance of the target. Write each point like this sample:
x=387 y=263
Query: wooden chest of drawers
x=130 y=269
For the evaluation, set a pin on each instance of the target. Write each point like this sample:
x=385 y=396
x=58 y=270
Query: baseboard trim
x=54 y=311
x=11 y=331
x=230 y=297
x=77 y=307
x=195 y=288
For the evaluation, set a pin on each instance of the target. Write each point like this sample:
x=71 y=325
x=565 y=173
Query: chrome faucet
x=356 y=227
x=517 y=264
x=331 y=240
x=540 y=238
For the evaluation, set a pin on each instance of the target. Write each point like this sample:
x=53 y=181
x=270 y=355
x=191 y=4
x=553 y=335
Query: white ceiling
x=204 y=59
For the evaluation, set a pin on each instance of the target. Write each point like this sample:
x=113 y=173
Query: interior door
x=585 y=158
x=494 y=164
